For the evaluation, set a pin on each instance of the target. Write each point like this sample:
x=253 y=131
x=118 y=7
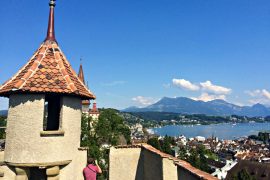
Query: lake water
x=222 y=131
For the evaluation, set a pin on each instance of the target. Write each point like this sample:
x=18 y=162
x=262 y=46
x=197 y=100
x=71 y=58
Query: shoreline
x=227 y=131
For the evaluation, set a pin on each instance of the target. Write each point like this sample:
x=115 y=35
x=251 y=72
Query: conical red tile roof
x=48 y=71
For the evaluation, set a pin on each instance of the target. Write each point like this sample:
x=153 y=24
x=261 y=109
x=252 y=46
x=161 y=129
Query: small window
x=52 y=109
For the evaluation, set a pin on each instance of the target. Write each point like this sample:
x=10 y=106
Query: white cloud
x=259 y=96
x=209 y=97
x=209 y=87
x=254 y=93
x=144 y=101
x=166 y=86
x=266 y=94
x=182 y=83
x=206 y=86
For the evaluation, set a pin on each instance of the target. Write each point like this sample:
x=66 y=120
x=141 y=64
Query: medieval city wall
x=125 y=164
x=169 y=169
x=152 y=165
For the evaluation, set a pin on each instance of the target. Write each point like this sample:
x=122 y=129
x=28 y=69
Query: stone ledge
x=52 y=133
x=42 y=164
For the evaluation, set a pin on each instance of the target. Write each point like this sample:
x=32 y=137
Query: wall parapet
x=183 y=168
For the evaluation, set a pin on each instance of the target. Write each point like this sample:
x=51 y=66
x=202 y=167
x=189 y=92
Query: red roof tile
x=48 y=71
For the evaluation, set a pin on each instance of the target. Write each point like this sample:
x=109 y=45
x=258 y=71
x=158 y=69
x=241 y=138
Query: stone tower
x=44 y=116
x=94 y=113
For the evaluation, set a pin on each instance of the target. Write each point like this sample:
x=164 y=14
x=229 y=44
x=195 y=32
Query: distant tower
x=94 y=113
x=44 y=116
x=85 y=103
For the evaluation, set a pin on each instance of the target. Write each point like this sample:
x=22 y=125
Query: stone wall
x=125 y=164
x=28 y=145
x=169 y=169
x=24 y=143
x=74 y=170
x=143 y=162
x=6 y=173
x=183 y=174
x=152 y=164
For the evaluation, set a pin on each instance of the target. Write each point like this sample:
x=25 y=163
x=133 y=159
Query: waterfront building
x=44 y=116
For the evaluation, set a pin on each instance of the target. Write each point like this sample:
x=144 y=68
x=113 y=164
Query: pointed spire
x=50 y=32
x=80 y=74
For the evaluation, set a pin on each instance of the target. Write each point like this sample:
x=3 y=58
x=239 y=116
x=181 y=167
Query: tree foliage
x=154 y=142
x=243 y=175
x=3 y=123
x=107 y=130
x=198 y=158
x=166 y=145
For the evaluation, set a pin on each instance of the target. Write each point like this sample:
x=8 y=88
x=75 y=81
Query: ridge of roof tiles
x=48 y=71
x=178 y=162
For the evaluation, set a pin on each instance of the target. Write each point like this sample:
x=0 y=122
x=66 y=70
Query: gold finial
x=52 y=3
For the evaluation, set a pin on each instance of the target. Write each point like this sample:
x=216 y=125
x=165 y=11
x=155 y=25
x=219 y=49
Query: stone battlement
x=142 y=161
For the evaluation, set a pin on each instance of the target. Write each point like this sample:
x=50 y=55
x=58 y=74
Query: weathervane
x=81 y=59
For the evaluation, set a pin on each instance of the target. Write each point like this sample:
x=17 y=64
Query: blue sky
x=136 y=52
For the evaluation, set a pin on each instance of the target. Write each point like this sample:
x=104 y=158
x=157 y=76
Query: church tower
x=44 y=116
x=85 y=103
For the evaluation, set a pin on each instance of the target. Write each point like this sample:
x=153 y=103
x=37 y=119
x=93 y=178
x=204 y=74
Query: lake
x=222 y=131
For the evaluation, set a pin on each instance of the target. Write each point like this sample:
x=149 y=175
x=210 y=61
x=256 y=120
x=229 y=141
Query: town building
x=252 y=169
x=44 y=116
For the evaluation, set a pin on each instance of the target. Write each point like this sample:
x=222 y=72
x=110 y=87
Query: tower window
x=52 y=109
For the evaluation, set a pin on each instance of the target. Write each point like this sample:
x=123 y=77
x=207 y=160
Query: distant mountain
x=189 y=106
x=3 y=112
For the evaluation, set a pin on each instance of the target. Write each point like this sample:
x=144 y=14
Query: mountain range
x=189 y=106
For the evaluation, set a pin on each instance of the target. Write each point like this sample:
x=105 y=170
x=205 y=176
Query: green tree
x=110 y=127
x=154 y=142
x=244 y=175
x=107 y=130
x=183 y=153
x=3 y=123
x=166 y=145
x=198 y=158
x=193 y=159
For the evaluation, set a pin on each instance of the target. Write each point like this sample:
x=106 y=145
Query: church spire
x=50 y=32
x=81 y=74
